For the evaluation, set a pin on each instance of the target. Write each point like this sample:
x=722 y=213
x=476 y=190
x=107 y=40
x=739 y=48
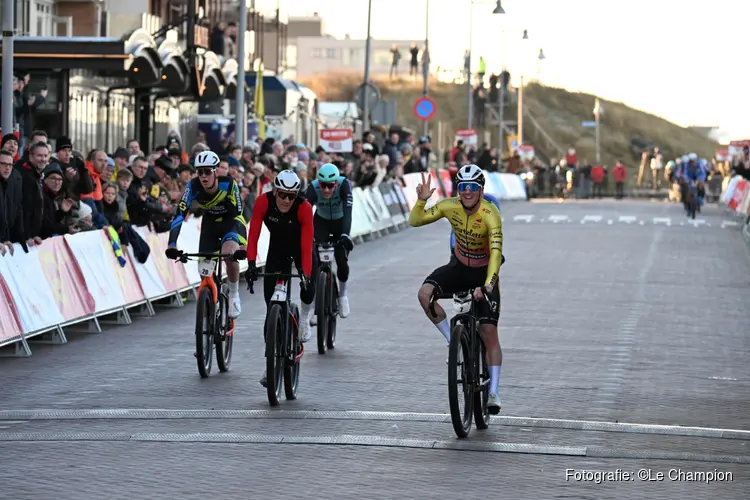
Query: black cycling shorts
x=214 y=234
x=455 y=277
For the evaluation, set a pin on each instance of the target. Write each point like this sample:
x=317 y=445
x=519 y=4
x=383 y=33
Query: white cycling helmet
x=471 y=173
x=287 y=180
x=693 y=157
x=206 y=159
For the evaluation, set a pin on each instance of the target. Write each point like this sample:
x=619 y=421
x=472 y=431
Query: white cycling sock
x=304 y=311
x=495 y=379
x=342 y=288
x=445 y=328
x=234 y=288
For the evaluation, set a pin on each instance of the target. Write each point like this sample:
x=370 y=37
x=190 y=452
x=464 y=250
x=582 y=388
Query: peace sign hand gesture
x=423 y=190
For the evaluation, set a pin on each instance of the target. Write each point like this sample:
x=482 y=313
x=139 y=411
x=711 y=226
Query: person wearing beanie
x=9 y=143
x=121 y=158
x=77 y=179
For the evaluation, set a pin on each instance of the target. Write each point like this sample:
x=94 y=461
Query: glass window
x=382 y=57
x=291 y=56
x=331 y=53
x=318 y=53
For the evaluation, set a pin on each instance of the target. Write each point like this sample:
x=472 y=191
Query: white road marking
x=729 y=223
x=627 y=219
x=526 y=218
x=591 y=218
x=697 y=222
x=610 y=222
x=559 y=218
x=662 y=220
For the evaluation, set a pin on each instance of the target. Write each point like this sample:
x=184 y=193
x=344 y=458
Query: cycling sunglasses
x=204 y=172
x=285 y=195
x=327 y=185
x=471 y=186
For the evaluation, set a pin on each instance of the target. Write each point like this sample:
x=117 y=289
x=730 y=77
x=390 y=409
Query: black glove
x=173 y=253
x=251 y=275
x=239 y=255
x=304 y=280
x=345 y=242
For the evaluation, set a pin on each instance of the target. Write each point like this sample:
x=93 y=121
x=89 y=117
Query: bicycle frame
x=281 y=296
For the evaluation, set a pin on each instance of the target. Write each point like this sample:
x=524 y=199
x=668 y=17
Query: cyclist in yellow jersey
x=475 y=263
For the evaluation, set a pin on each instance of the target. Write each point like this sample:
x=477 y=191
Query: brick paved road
x=614 y=322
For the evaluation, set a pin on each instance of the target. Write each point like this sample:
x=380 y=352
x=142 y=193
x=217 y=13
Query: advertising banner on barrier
x=10 y=326
x=172 y=273
x=389 y=196
x=148 y=275
x=399 y=190
x=738 y=195
x=97 y=269
x=446 y=182
x=33 y=299
x=188 y=242
x=126 y=277
x=494 y=186
x=360 y=222
x=726 y=195
x=65 y=279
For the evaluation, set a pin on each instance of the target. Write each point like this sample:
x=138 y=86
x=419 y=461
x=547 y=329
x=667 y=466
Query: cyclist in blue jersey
x=693 y=170
x=332 y=194
x=487 y=197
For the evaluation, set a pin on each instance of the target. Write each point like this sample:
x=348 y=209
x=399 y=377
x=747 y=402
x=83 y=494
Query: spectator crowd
x=49 y=188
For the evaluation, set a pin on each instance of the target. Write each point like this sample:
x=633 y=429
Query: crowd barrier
x=76 y=280
x=735 y=196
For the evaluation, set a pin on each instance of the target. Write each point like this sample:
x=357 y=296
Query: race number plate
x=326 y=255
x=461 y=304
x=206 y=268
x=279 y=293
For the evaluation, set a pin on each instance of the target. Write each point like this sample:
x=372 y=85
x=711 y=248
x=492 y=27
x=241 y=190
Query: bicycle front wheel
x=460 y=392
x=333 y=298
x=204 y=328
x=322 y=310
x=291 y=363
x=274 y=350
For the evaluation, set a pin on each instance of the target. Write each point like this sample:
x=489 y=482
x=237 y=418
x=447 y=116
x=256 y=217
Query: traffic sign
x=588 y=124
x=425 y=108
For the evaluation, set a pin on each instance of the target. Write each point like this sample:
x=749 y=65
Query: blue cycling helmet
x=328 y=173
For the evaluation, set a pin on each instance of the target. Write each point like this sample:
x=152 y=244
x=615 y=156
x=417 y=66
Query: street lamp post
x=240 y=120
x=501 y=117
x=498 y=10
x=7 y=92
x=426 y=61
x=368 y=45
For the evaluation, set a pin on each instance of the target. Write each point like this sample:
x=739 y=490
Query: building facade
x=323 y=54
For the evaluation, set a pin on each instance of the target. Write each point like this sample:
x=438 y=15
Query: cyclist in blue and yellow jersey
x=223 y=226
x=474 y=265
x=332 y=194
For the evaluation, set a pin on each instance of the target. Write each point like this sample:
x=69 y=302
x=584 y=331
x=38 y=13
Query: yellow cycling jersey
x=479 y=237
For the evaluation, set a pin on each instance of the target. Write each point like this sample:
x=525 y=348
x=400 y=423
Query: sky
x=683 y=60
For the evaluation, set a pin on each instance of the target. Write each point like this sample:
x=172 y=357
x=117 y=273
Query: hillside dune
x=557 y=111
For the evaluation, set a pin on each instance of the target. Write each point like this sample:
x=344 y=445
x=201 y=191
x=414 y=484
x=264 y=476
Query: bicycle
x=326 y=299
x=474 y=379
x=213 y=327
x=283 y=348
x=692 y=198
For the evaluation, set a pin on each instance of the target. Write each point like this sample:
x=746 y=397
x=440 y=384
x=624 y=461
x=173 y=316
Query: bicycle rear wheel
x=274 y=348
x=459 y=358
x=223 y=340
x=321 y=310
x=481 y=383
x=291 y=363
x=204 y=328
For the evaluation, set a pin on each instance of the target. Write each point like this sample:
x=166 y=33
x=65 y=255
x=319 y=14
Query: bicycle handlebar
x=436 y=296
x=184 y=257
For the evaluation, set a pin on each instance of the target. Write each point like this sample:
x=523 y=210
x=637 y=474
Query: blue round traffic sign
x=425 y=108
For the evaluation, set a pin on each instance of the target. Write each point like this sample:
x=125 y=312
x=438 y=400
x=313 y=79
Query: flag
x=258 y=101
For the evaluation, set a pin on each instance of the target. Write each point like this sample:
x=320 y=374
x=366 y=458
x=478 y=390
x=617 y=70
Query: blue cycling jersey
x=333 y=207
x=487 y=197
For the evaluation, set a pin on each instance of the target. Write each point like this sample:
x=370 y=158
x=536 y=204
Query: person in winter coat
x=57 y=214
x=32 y=201
x=77 y=178
x=620 y=174
x=597 y=176
x=10 y=144
x=11 y=209
x=113 y=206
